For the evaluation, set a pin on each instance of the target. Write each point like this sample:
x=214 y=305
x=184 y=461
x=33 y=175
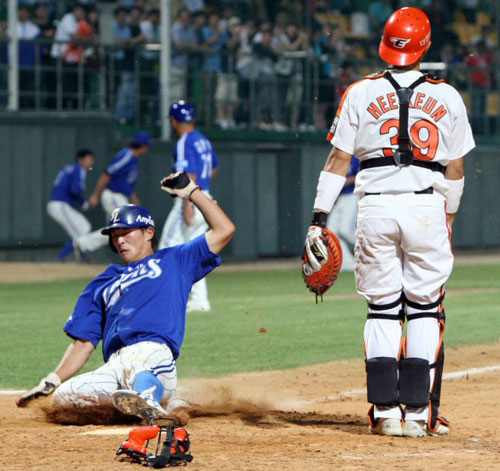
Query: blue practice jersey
x=143 y=301
x=69 y=185
x=194 y=154
x=123 y=170
x=353 y=170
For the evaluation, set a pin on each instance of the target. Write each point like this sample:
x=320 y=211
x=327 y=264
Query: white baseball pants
x=76 y=225
x=402 y=246
x=111 y=200
x=119 y=372
x=176 y=231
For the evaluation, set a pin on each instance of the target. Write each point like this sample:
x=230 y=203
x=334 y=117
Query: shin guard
x=414 y=382
x=382 y=381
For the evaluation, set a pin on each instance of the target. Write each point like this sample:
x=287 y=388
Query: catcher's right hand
x=178 y=184
x=46 y=386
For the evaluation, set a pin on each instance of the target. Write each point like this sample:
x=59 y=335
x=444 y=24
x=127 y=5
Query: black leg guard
x=382 y=381
x=435 y=396
x=414 y=382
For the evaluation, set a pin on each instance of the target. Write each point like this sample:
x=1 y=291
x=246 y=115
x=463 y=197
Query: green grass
x=298 y=332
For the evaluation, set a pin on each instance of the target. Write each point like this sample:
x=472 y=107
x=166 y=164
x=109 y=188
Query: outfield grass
x=228 y=340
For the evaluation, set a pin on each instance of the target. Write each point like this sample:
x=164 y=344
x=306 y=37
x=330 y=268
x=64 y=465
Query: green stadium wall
x=266 y=184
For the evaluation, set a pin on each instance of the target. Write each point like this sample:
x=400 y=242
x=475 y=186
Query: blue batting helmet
x=130 y=215
x=182 y=111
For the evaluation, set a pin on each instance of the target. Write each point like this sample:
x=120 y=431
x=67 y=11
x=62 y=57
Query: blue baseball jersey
x=69 y=185
x=123 y=170
x=194 y=154
x=353 y=170
x=143 y=301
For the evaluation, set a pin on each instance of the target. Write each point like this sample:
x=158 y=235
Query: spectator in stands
x=226 y=95
x=227 y=13
x=72 y=27
x=469 y=8
x=214 y=39
x=246 y=70
x=123 y=66
x=378 y=14
x=480 y=63
x=27 y=32
x=48 y=81
x=485 y=37
x=194 y=6
x=289 y=74
x=149 y=84
x=324 y=96
x=184 y=42
x=265 y=58
x=42 y=16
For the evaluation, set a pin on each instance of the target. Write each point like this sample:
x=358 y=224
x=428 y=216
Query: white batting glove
x=46 y=387
x=315 y=248
x=178 y=184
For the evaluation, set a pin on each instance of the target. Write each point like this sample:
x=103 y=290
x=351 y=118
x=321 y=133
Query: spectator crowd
x=260 y=63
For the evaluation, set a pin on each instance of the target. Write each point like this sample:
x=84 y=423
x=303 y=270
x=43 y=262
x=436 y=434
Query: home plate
x=108 y=431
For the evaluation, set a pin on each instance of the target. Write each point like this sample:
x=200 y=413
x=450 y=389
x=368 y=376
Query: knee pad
x=382 y=381
x=414 y=382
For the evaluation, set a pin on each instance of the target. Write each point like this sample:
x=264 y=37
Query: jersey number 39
x=424 y=136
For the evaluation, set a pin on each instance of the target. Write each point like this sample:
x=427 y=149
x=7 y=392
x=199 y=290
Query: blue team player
x=194 y=155
x=116 y=186
x=68 y=194
x=138 y=310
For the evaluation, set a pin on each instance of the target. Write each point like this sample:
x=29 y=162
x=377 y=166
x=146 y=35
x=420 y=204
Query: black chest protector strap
x=403 y=156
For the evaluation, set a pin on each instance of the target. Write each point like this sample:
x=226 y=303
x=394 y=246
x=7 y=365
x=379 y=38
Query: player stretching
x=193 y=154
x=138 y=311
x=116 y=186
x=410 y=133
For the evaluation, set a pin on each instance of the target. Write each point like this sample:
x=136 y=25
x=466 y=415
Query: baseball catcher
x=411 y=133
x=138 y=311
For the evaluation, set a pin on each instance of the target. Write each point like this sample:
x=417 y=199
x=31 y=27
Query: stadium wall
x=267 y=187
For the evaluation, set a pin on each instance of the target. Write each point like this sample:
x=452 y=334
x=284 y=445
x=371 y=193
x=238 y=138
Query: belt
x=427 y=191
x=388 y=161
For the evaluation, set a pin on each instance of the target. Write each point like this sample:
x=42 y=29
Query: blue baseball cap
x=142 y=138
x=182 y=111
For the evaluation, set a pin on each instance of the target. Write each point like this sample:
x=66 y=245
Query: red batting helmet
x=407 y=36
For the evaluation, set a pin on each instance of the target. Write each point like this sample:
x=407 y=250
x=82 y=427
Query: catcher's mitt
x=322 y=260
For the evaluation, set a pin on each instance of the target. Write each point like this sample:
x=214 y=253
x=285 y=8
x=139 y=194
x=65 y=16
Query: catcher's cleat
x=387 y=427
x=418 y=429
x=132 y=403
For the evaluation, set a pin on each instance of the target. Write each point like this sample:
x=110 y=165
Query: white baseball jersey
x=367 y=125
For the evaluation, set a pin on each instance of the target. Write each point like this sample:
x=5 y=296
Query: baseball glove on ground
x=322 y=260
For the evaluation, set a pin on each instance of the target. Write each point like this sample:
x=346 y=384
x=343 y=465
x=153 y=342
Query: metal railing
x=294 y=91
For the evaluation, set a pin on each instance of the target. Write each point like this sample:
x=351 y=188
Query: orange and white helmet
x=406 y=38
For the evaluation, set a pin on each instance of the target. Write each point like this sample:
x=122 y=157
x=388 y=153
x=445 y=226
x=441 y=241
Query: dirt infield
x=16 y=272
x=282 y=420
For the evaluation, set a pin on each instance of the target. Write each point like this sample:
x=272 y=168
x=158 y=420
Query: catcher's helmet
x=182 y=111
x=406 y=38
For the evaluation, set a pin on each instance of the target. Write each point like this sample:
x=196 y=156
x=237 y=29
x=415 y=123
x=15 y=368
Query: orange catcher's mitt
x=322 y=260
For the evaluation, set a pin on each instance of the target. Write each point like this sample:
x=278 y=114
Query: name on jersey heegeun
x=421 y=101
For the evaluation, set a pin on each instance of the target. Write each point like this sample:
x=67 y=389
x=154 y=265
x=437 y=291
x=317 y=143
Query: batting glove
x=179 y=184
x=46 y=387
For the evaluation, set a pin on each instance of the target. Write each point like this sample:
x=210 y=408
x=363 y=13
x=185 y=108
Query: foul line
x=353 y=392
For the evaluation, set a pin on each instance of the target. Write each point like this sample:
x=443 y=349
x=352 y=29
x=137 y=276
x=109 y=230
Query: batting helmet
x=182 y=111
x=406 y=38
x=130 y=215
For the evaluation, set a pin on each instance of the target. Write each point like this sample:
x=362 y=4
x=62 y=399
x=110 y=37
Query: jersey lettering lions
x=367 y=125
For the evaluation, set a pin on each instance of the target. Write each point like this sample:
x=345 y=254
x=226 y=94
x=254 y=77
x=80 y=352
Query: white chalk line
x=352 y=392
